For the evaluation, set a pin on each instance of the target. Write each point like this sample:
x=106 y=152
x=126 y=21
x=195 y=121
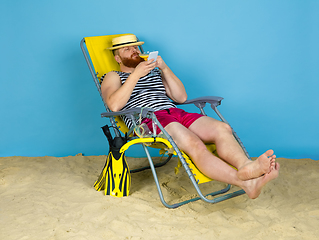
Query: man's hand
x=160 y=63
x=144 y=68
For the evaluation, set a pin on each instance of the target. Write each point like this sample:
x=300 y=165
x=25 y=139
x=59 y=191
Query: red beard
x=133 y=61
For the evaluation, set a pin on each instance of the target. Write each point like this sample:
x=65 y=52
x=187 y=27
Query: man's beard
x=133 y=61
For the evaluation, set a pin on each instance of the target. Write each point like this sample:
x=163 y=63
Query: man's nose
x=134 y=50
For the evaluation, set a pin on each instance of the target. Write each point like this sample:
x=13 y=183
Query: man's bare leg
x=210 y=130
x=214 y=167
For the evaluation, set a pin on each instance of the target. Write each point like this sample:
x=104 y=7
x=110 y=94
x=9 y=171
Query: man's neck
x=126 y=69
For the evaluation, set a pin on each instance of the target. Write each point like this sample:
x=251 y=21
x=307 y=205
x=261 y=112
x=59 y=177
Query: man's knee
x=224 y=127
x=195 y=148
x=228 y=128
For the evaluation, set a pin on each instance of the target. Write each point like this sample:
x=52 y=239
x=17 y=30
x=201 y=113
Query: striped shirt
x=148 y=92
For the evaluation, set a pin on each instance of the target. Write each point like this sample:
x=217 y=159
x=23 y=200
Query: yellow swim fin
x=115 y=178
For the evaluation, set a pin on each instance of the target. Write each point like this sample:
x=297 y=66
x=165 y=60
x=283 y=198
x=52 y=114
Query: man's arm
x=110 y=91
x=174 y=87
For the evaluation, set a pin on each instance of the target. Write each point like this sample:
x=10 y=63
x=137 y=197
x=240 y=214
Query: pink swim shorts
x=173 y=115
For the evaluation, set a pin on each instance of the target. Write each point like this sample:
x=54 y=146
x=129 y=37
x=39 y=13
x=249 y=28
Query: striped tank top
x=148 y=92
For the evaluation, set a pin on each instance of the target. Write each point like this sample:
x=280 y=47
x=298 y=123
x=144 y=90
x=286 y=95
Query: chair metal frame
x=146 y=112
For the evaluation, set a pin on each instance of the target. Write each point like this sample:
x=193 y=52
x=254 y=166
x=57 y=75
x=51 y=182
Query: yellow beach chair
x=100 y=61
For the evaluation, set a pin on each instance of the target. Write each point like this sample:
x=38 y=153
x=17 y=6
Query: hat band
x=120 y=44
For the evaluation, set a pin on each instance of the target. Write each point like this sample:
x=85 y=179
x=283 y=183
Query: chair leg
x=155 y=165
x=201 y=196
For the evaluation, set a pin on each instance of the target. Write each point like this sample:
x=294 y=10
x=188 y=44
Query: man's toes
x=269 y=152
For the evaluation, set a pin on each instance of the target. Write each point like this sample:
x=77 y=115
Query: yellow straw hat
x=125 y=41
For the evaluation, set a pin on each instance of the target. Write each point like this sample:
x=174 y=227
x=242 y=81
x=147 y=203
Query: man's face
x=130 y=56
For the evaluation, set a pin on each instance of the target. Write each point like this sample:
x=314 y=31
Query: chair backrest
x=103 y=62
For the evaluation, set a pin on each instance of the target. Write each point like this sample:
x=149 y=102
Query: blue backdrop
x=261 y=56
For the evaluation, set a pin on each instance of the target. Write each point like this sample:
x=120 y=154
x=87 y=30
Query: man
x=133 y=86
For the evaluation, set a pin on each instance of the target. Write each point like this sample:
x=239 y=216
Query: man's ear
x=117 y=58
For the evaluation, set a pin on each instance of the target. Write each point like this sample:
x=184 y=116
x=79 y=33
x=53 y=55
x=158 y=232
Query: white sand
x=53 y=198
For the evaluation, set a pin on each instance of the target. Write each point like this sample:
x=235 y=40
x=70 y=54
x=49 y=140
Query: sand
x=53 y=198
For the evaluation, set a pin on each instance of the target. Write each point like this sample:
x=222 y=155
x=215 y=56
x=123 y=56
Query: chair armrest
x=201 y=101
x=132 y=111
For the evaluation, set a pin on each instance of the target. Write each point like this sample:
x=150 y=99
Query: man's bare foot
x=253 y=187
x=254 y=169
